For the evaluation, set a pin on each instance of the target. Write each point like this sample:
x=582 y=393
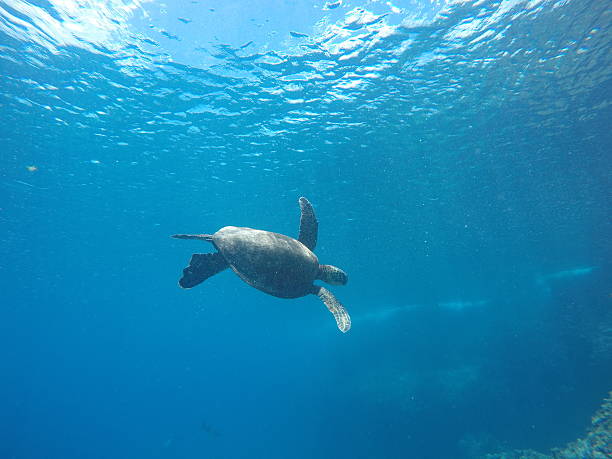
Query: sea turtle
x=273 y=263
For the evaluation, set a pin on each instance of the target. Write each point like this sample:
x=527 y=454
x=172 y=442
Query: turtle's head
x=332 y=275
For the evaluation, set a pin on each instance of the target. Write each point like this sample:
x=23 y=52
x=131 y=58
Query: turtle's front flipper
x=342 y=318
x=201 y=267
x=309 y=226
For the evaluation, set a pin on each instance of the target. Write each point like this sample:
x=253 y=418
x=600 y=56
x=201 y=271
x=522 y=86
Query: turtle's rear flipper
x=201 y=267
x=342 y=318
x=204 y=237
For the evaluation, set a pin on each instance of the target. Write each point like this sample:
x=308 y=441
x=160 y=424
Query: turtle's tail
x=203 y=237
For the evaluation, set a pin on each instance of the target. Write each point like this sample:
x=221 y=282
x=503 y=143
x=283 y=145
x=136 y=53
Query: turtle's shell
x=271 y=262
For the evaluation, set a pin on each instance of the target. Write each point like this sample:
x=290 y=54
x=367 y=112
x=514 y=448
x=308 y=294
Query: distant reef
x=597 y=444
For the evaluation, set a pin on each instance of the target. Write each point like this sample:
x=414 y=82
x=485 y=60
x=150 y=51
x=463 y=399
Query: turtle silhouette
x=273 y=263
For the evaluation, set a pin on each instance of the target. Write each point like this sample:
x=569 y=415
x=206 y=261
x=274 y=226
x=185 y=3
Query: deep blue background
x=468 y=198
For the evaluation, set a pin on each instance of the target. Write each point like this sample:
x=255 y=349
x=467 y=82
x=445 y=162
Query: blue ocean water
x=457 y=155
